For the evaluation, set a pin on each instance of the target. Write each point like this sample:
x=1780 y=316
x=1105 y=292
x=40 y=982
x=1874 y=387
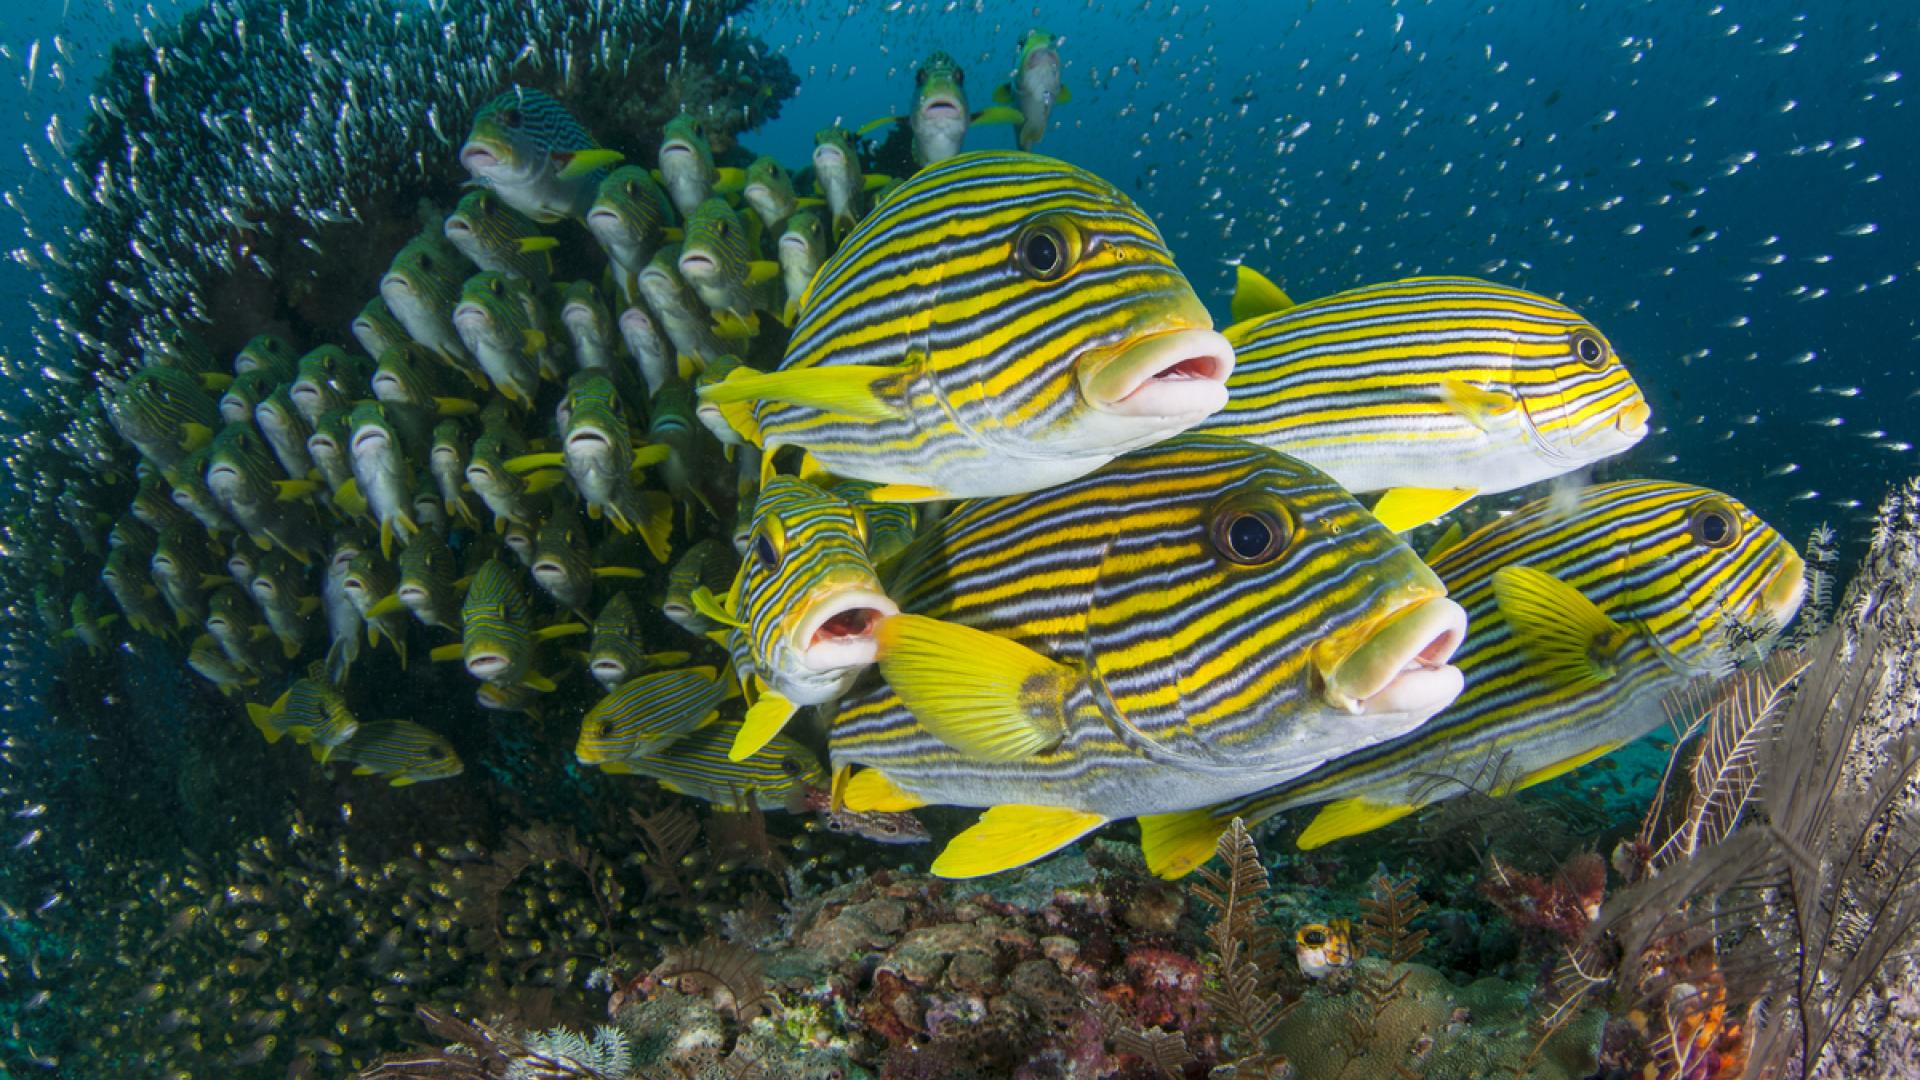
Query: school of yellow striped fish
x=859 y=494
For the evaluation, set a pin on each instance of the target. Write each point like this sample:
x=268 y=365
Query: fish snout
x=1400 y=662
x=478 y=157
x=1632 y=419
x=487 y=664
x=838 y=633
x=1181 y=373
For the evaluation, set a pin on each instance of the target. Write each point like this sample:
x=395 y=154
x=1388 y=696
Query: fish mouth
x=1400 y=664
x=487 y=664
x=468 y=313
x=549 y=573
x=411 y=595
x=1178 y=374
x=385 y=383
x=234 y=411
x=794 y=242
x=839 y=632
x=457 y=225
x=222 y=473
x=674 y=149
x=322 y=445
x=608 y=672
x=477 y=157
x=305 y=393
x=676 y=611
x=942 y=107
x=633 y=320
x=369 y=441
x=1632 y=420
x=824 y=156
x=396 y=282
x=585 y=439
x=697 y=264
x=604 y=222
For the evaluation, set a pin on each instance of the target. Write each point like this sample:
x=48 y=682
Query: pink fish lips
x=1171 y=375
x=1400 y=667
x=839 y=633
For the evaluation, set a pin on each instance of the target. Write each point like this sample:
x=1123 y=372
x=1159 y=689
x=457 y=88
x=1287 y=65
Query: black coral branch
x=735 y=971
x=1246 y=958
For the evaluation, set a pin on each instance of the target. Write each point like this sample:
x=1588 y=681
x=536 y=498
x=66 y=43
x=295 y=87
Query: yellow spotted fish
x=1583 y=615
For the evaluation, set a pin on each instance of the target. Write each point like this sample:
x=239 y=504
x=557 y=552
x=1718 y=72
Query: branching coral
x=1246 y=955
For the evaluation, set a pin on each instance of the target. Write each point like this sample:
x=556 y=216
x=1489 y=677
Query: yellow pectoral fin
x=537 y=681
x=848 y=390
x=1254 y=295
x=194 y=436
x=906 y=493
x=707 y=604
x=1003 y=94
x=1009 y=836
x=618 y=572
x=1000 y=114
x=527 y=245
x=289 y=490
x=450 y=406
x=362 y=770
x=1350 y=817
x=739 y=416
x=559 y=630
x=581 y=162
x=761 y=270
x=1177 y=844
x=527 y=463
x=875 y=181
x=1447 y=539
x=386 y=605
x=764 y=721
x=1481 y=407
x=1065 y=96
x=544 y=480
x=651 y=454
x=1405 y=509
x=874 y=125
x=262 y=718
x=656 y=523
x=984 y=695
x=216 y=381
x=736 y=327
x=728 y=180
x=454 y=651
x=1564 y=632
x=869 y=790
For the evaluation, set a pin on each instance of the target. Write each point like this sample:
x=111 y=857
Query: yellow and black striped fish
x=808 y=597
x=646 y=714
x=402 y=751
x=776 y=777
x=496 y=632
x=1584 y=615
x=311 y=710
x=1193 y=622
x=1000 y=323
x=1431 y=389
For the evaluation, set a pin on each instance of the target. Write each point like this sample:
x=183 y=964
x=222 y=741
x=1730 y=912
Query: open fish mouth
x=222 y=474
x=385 y=383
x=697 y=264
x=793 y=242
x=942 y=108
x=608 y=671
x=587 y=439
x=604 y=222
x=369 y=441
x=411 y=595
x=469 y=314
x=476 y=156
x=549 y=573
x=487 y=664
x=839 y=632
x=829 y=156
x=1400 y=666
x=675 y=150
x=1182 y=373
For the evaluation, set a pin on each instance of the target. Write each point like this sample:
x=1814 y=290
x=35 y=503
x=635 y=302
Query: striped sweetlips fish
x=1586 y=614
x=1193 y=622
x=809 y=599
x=1002 y=322
x=532 y=152
x=1431 y=389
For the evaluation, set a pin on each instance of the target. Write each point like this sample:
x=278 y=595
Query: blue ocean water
x=1728 y=190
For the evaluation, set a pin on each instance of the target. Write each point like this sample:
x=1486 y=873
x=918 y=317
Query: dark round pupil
x=1713 y=528
x=764 y=549
x=1589 y=350
x=1248 y=536
x=512 y=117
x=426 y=262
x=1042 y=253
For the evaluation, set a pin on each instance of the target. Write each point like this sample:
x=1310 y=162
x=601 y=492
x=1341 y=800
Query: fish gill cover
x=485 y=595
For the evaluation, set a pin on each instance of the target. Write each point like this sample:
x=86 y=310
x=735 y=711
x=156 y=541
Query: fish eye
x=426 y=262
x=1250 y=536
x=1042 y=252
x=633 y=190
x=920 y=77
x=495 y=287
x=764 y=551
x=790 y=767
x=511 y=117
x=1590 y=348
x=1313 y=937
x=1714 y=524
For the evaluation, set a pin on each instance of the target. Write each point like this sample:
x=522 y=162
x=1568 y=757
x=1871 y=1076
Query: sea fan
x=714 y=964
x=1245 y=955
